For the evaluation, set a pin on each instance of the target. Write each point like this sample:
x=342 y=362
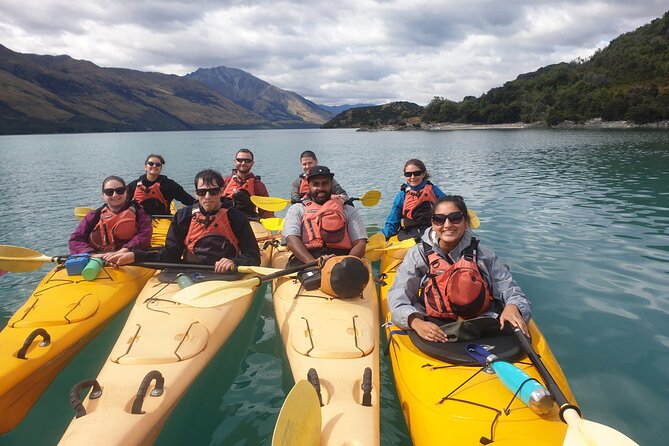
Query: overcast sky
x=333 y=51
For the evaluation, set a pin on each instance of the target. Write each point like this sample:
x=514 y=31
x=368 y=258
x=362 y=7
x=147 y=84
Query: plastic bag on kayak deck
x=471 y=329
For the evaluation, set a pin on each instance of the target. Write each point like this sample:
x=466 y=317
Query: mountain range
x=59 y=94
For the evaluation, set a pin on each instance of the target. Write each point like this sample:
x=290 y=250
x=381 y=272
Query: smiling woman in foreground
x=448 y=276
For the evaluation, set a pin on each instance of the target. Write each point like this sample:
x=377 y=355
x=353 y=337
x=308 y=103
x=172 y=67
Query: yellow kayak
x=162 y=349
x=446 y=402
x=339 y=339
x=173 y=340
x=68 y=311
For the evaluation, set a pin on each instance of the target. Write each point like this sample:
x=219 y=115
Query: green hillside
x=58 y=94
x=628 y=80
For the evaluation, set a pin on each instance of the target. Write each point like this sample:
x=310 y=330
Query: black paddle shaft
x=199 y=267
x=285 y=272
x=554 y=389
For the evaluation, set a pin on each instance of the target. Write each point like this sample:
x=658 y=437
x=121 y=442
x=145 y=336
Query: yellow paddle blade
x=371 y=198
x=273 y=224
x=374 y=244
x=299 y=422
x=474 y=221
x=376 y=241
x=81 y=212
x=588 y=433
x=215 y=293
x=16 y=259
x=272 y=204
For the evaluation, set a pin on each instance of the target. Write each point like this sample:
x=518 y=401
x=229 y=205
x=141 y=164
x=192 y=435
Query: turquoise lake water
x=581 y=217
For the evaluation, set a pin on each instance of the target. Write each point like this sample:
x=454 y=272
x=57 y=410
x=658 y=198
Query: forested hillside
x=628 y=80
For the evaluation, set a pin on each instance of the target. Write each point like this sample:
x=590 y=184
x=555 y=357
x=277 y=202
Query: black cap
x=319 y=171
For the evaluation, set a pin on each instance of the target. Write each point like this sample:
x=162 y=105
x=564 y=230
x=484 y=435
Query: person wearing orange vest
x=321 y=225
x=154 y=192
x=243 y=183
x=300 y=186
x=448 y=276
x=205 y=233
x=118 y=226
x=410 y=214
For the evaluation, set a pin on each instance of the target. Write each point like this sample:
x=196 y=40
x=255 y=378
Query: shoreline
x=590 y=124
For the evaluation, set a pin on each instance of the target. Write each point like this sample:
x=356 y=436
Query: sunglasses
x=212 y=191
x=453 y=217
x=151 y=164
x=109 y=192
x=244 y=160
x=415 y=173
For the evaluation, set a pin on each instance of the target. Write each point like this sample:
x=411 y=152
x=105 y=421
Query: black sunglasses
x=212 y=191
x=415 y=173
x=244 y=160
x=453 y=217
x=109 y=192
x=151 y=164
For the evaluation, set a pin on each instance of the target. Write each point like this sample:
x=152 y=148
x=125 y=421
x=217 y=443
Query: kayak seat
x=331 y=335
x=505 y=347
x=56 y=310
x=160 y=340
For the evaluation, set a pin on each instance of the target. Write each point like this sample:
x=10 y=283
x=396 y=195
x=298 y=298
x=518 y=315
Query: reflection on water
x=581 y=217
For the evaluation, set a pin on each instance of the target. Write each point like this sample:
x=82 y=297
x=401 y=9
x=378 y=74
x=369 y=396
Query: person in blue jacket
x=412 y=208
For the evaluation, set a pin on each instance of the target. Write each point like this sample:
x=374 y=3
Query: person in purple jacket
x=118 y=226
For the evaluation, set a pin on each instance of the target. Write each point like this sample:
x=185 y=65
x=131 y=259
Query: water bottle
x=184 y=280
x=92 y=268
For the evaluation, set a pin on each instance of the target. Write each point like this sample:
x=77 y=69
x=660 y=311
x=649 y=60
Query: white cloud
x=331 y=52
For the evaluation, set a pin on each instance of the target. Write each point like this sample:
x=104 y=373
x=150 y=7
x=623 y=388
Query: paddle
x=580 y=432
x=16 y=259
x=370 y=198
x=273 y=223
x=299 y=422
x=21 y=260
x=208 y=294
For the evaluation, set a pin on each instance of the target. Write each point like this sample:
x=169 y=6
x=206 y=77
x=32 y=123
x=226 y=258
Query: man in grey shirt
x=300 y=187
x=321 y=225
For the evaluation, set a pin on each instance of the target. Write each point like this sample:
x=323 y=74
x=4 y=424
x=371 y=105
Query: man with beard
x=320 y=225
x=243 y=183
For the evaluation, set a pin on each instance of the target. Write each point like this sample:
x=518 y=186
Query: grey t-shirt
x=292 y=224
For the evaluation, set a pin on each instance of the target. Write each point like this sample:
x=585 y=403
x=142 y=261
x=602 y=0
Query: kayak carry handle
x=46 y=340
x=312 y=377
x=75 y=399
x=144 y=387
x=367 y=387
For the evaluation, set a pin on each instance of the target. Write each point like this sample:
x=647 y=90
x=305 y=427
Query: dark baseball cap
x=319 y=171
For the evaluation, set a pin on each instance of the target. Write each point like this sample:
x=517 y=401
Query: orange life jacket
x=210 y=237
x=455 y=289
x=304 y=185
x=325 y=225
x=420 y=202
x=153 y=192
x=235 y=184
x=112 y=230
